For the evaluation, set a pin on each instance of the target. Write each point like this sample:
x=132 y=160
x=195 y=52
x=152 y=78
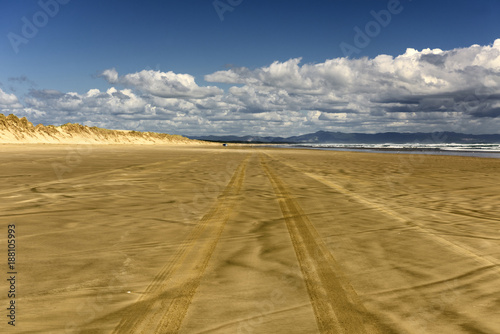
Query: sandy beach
x=195 y=239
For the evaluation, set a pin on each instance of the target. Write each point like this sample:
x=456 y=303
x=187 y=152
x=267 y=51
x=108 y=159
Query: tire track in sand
x=164 y=304
x=67 y=180
x=337 y=307
x=78 y=178
x=456 y=246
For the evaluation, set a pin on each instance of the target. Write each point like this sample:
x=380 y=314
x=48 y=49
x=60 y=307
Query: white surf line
x=458 y=247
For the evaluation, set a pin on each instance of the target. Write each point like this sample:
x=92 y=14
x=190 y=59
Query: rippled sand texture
x=136 y=239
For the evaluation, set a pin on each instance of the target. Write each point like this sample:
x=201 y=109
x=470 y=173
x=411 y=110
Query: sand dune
x=243 y=240
x=14 y=130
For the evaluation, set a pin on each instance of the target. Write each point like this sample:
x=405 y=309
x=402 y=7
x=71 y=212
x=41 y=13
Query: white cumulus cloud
x=419 y=90
x=8 y=101
x=162 y=84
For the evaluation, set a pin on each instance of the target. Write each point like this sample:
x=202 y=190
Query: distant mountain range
x=323 y=137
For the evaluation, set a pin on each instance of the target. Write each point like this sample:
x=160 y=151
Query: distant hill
x=324 y=137
x=242 y=139
x=20 y=130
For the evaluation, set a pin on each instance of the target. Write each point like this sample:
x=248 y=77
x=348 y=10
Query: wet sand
x=152 y=239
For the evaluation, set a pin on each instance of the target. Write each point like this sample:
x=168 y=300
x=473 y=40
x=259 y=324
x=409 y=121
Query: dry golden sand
x=156 y=239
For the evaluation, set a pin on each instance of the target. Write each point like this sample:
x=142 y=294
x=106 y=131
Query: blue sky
x=49 y=78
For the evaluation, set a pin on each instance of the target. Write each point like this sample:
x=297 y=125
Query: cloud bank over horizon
x=418 y=91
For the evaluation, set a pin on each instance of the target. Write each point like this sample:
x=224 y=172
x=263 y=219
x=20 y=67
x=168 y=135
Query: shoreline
x=423 y=151
x=402 y=151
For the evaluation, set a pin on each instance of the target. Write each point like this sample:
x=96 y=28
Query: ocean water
x=471 y=150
